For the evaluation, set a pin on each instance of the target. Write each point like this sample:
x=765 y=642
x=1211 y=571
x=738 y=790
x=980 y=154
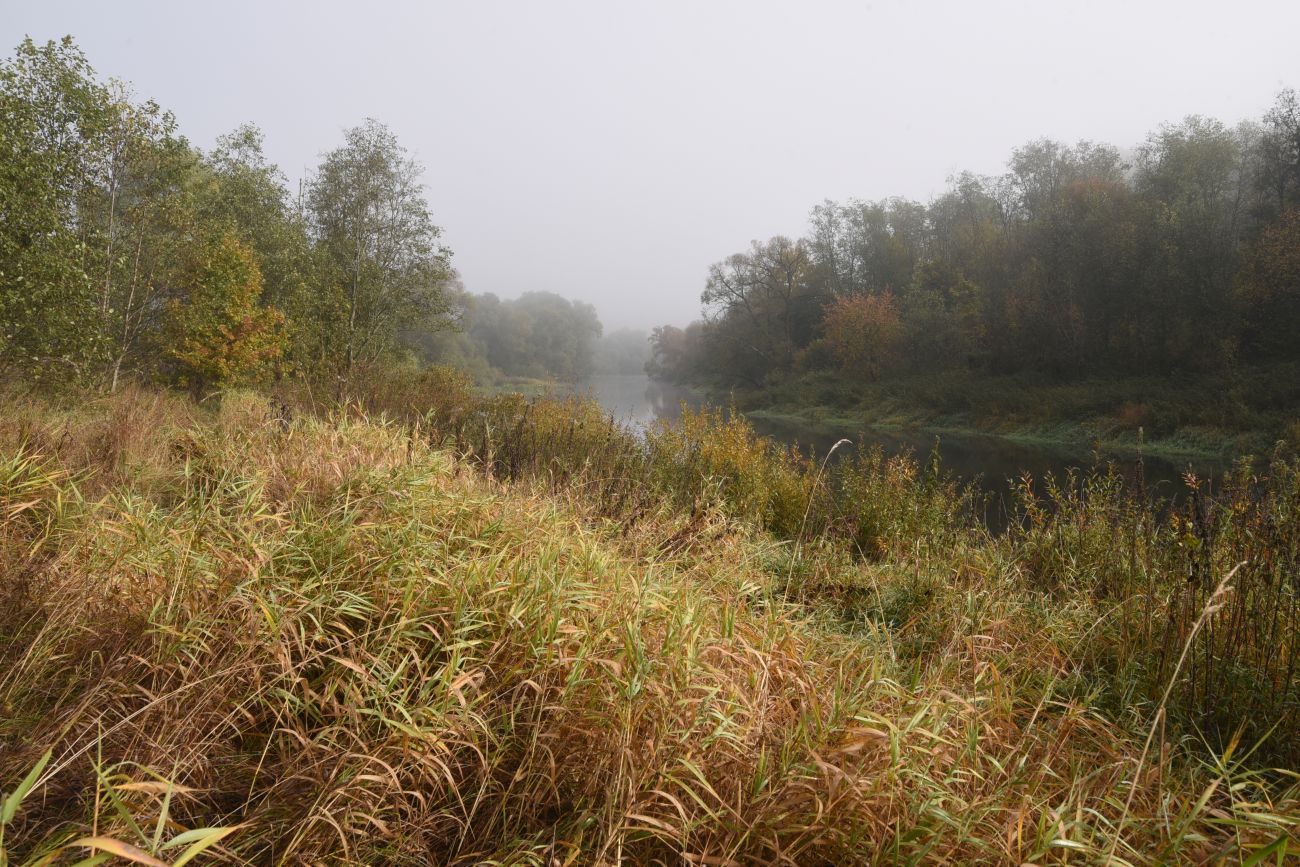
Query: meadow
x=426 y=625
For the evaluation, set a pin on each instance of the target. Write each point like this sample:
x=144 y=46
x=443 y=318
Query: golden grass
x=336 y=643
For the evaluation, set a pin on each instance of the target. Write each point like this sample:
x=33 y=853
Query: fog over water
x=611 y=152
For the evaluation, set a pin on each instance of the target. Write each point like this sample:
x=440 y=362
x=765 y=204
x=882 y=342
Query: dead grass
x=336 y=643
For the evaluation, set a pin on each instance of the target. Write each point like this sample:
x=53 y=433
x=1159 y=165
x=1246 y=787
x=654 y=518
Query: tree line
x=540 y=335
x=1182 y=255
x=126 y=252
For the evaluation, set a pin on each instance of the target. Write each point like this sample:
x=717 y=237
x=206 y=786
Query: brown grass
x=337 y=643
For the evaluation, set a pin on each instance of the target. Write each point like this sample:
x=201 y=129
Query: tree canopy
x=1074 y=261
x=127 y=252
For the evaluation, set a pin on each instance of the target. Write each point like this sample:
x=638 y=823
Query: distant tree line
x=539 y=334
x=624 y=351
x=125 y=252
x=1184 y=257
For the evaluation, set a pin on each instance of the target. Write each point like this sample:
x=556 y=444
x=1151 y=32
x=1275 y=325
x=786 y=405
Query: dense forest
x=1179 y=256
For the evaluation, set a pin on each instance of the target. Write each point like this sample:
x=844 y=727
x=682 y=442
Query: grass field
x=430 y=627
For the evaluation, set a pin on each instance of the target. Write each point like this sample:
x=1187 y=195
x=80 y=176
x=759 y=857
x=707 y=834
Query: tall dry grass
x=342 y=639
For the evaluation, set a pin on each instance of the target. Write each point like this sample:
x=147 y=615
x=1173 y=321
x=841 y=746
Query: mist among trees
x=1177 y=256
x=127 y=253
x=539 y=335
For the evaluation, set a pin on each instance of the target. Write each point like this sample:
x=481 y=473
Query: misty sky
x=610 y=152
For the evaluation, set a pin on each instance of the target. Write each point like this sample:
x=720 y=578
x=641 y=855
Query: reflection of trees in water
x=635 y=399
x=992 y=463
x=664 y=401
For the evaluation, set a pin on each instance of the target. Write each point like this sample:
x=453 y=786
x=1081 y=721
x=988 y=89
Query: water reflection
x=991 y=463
x=635 y=399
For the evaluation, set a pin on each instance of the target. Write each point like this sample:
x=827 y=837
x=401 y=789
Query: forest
x=1176 y=259
x=539 y=335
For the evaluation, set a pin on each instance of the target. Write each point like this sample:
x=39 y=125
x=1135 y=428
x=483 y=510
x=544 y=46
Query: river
x=991 y=463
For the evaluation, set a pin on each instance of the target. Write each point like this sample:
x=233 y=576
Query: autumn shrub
x=1151 y=570
x=863 y=332
x=714 y=454
x=887 y=504
x=217 y=333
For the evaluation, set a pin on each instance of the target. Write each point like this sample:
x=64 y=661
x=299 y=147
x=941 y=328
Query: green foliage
x=382 y=265
x=52 y=112
x=106 y=209
x=218 y=334
x=246 y=196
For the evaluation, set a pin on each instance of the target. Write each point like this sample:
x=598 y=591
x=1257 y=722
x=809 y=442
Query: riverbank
x=1079 y=440
x=460 y=630
x=1212 y=419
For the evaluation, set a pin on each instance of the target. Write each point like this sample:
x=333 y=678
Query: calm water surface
x=991 y=463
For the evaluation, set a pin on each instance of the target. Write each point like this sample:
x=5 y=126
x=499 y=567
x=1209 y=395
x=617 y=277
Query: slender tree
x=384 y=267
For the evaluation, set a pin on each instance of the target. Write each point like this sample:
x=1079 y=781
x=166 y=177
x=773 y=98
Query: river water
x=990 y=463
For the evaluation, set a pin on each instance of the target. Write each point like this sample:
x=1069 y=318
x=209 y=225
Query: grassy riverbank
x=434 y=627
x=1219 y=417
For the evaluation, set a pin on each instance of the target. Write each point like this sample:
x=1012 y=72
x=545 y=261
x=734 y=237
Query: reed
x=483 y=630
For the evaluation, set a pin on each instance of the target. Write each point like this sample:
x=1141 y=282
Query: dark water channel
x=991 y=463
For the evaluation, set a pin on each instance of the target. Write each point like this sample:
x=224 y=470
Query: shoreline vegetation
x=1250 y=411
x=1087 y=293
x=432 y=624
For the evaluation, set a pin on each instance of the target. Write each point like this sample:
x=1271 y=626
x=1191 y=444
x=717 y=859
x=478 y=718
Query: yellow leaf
x=120 y=849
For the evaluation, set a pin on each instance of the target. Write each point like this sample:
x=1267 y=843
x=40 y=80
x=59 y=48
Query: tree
x=217 y=333
x=52 y=111
x=245 y=195
x=1280 y=151
x=762 y=303
x=384 y=268
x=677 y=354
x=867 y=246
x=561 y=335
x=137 y=221
x=94 y=199
x=1194 y=173
x=863 y=332
x=1268 y=290
x=1043 y=169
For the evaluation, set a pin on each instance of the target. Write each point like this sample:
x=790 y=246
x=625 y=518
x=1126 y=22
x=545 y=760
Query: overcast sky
x=611 y=151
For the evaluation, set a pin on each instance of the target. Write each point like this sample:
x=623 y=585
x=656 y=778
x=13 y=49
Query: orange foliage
x=863 y=332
